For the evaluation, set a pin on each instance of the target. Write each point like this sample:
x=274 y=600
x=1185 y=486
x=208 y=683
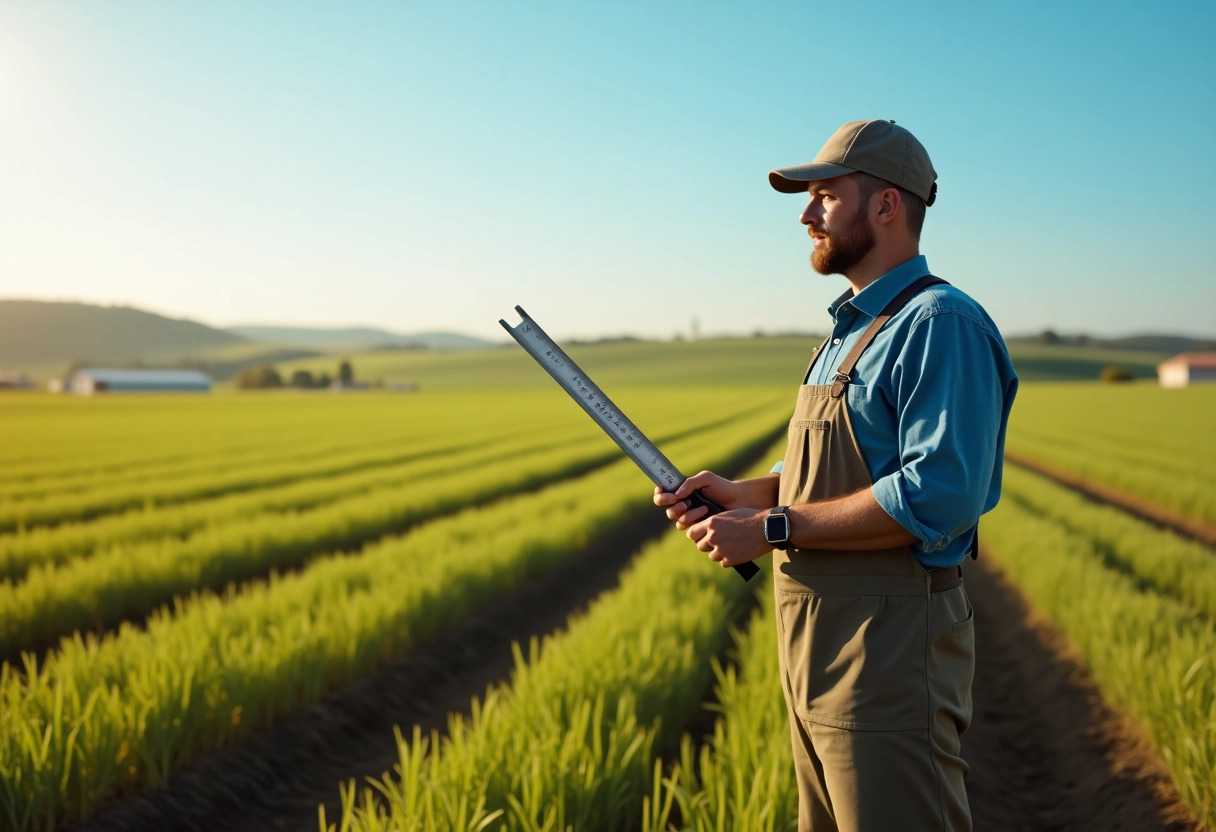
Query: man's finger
x=663 y=498
x=698 y=480
x=693 y=515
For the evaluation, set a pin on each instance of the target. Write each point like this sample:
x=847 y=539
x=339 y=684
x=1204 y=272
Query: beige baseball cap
x=880 y=148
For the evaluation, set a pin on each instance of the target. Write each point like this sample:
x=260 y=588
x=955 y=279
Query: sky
x=425 y=166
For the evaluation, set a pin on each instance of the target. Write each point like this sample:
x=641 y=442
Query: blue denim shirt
x=929 y=402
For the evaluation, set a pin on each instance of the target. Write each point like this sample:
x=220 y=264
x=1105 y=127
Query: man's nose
x=810 y=216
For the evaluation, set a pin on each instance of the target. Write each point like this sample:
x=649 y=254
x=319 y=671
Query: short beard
x=842 y=250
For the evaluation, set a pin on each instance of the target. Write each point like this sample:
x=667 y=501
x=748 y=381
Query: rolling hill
x=42 y=338
x=41 y=333
x=356 y=338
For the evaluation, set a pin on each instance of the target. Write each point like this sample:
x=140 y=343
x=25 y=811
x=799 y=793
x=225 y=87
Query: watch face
x=776 y=528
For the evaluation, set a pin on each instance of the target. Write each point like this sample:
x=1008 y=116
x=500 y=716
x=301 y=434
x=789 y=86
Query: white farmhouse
x=1187 y=368
x=90 y=380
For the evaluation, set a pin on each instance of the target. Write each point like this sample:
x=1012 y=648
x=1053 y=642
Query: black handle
x=747 y=570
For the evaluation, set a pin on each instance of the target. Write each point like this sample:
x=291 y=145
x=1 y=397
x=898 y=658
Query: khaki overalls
x=877 y=655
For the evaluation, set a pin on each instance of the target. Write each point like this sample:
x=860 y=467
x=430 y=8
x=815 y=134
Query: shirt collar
x=874 y=298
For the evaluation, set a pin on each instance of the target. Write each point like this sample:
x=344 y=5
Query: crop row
x=1151 y=654
x=572 y=742
x=104 y=474
x=170 y=488
x=19 y=552
x=1160 y=560
x=63 y=441
x=414 y=436
x=129 y=580
x=163 y=488
x=66 y=437
x=1151 y=443
x=1192 y=493
x=1171 y=455
x=741 y=778
x=114 y=714
x=197 y=457
x=343 y=475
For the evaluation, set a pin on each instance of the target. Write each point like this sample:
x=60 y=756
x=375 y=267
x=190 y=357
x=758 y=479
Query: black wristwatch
x=777 y=528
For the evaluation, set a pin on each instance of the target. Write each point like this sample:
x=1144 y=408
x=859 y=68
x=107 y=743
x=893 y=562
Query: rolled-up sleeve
x=950 y=384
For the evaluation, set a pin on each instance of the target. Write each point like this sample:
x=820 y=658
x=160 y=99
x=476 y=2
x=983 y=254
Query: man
x=894 y=452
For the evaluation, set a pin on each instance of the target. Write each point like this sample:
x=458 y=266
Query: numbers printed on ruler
x=663 y=471
x=600 y=408
x=610 y=417
x=571 y=377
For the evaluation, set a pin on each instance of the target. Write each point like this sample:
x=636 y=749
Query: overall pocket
x=808 y=439
x=855 y=661
x=952 y=659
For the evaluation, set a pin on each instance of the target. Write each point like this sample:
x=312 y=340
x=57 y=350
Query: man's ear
x=889 y=202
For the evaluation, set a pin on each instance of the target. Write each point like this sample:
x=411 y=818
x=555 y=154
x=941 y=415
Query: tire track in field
x=1158 y=515
x=278 y=777
x=1046 y=753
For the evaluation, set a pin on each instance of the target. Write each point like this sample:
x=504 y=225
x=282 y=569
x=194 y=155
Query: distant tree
x=324 y=380
x=302 y=379
x=260 y=377
x=1114 y=374
x=346 y=373
x=1048 y=336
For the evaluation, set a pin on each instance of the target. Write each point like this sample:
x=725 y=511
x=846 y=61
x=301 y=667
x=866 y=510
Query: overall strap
x=844 y=374
x=815 y=355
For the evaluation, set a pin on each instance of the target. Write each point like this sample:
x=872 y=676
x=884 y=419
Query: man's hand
x=732 y=537
x=720 y=490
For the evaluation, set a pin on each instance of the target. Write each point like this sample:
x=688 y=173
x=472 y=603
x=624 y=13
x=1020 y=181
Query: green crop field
x=179 y=572
x=1154 y=443
x=769 y=361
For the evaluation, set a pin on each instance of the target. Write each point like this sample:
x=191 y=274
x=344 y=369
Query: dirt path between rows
x=1158 y=515
x=1046 y=753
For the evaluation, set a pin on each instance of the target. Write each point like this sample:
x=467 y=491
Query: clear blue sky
x=429 y=165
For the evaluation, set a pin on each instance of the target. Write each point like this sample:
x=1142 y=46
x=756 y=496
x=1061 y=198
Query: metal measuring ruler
x=607 y=415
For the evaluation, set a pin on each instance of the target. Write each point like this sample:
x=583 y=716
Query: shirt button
x=835 y=340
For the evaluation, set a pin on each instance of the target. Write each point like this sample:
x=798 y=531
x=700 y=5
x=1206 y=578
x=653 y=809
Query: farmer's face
x=837 y=221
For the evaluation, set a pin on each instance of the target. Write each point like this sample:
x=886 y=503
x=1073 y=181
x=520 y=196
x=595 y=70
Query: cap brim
x=793 y=180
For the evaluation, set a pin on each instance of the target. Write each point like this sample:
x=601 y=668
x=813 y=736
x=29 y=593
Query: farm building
x=88 y=381
x=1187 y=368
